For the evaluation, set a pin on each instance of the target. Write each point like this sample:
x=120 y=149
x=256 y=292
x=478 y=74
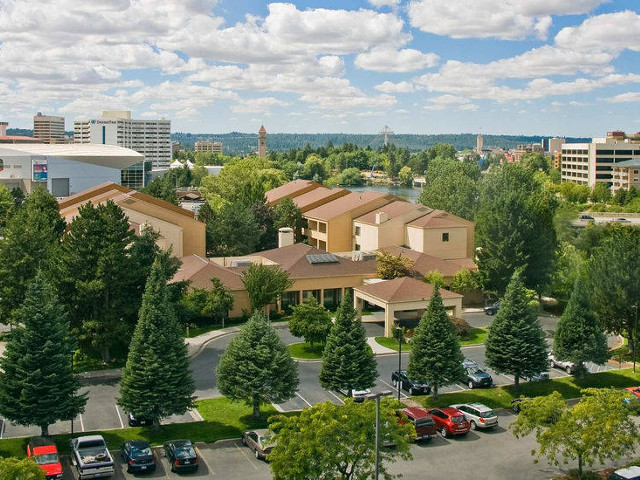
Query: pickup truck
x=91 y=457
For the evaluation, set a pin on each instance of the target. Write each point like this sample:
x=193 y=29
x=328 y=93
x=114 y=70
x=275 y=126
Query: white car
x=478 y=415
x=357 y=395
x=568 y=367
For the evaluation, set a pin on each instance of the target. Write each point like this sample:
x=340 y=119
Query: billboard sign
x=39 y=168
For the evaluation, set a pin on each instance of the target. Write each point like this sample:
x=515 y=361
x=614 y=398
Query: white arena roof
x=92 y=153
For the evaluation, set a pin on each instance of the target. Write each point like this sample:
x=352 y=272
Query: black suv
x=476 y=376
x=493 y=308
x=414 y=387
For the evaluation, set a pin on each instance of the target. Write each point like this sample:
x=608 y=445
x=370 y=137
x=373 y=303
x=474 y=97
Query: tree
x=12 y=468
x=600 y=193
x=156 y=380
x=579 y=337
x=30 y=241
x=613 y=280
x=7 y=206
x=257 y=367
x=287 y=214
x=598 y=428
x=264 y=283
x=435 y=353
x=232 y=231
x=516 y=343
x=464 y=281
x=218 y=301
x=347 y=361
x=268 y=236
x=313 y=169
x=393 y=266
x=568 y=263
x=405 y=176
x=514 y=228
x=311 y=321
x=435 y=278
x=536 y=161
x=163 y=188
x=38 y=386
x=342 y=445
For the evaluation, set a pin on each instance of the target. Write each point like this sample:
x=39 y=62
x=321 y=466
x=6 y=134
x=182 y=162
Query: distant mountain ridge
x=238 y=143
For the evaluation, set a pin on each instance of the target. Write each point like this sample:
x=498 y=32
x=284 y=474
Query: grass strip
x=305 y=351
x=475 y=336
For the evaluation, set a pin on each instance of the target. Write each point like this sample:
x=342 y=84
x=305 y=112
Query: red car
x=424 y=423
x=634 y=390
x=450 y=421
x=44 y=452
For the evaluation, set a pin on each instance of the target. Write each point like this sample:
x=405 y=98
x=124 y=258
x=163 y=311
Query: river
x=408 y=193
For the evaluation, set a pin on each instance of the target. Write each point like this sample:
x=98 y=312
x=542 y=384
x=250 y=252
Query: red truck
x=43 y=450
x=423 y=423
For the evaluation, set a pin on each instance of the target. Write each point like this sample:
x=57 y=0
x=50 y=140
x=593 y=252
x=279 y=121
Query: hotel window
x=445 y=237
x=358 y=228
x=357 y=247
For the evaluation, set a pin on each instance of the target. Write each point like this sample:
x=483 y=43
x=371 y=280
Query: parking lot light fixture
x=399 y=333
x=635 y=335
x=377 y=397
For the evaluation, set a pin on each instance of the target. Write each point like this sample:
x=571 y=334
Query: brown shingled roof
x=393 y=210
x=317 y=197
x=290 y=189
x=199 y=272
x=439 y=219
x=424 y=263
x=346 y=204
x=404 y=289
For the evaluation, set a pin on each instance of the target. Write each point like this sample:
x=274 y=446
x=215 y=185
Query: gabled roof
x=199 y=271
x=393 y=210
x=346 y=204
x=404 y=289
x=424 y=263
x=290 y=189
x=439 y=219
x=317 y=197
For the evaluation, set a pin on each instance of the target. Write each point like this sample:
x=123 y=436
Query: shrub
x=462 y=327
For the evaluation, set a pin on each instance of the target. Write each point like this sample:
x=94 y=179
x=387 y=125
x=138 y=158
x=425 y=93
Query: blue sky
x=548 y=67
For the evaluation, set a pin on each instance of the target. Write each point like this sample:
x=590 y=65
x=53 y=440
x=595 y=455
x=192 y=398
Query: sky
x=530 y=67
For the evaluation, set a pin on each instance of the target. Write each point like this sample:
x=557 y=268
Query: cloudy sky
x=549 y=67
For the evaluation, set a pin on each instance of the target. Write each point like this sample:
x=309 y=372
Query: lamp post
x=635 y=335
x=377 y=397
x=72 y=353
x=399 y=332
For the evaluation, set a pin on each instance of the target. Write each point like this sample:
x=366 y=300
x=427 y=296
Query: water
x=408 y=193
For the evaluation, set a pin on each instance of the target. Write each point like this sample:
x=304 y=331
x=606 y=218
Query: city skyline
x=526 y=67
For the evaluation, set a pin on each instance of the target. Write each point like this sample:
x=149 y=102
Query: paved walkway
x=377 y=348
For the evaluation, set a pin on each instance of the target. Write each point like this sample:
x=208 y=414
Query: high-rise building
x=151 y=138
x=591 y=163
x=262 y=142
x=210 y=147
x=48 y=128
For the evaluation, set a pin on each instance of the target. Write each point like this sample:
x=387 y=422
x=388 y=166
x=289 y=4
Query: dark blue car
x=138 y=456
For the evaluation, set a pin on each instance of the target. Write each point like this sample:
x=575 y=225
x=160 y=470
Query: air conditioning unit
x=241 y=263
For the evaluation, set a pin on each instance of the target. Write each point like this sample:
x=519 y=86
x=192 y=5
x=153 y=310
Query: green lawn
x=305 y=351
x=475 y=336
x=222 y=419
x=568 y=387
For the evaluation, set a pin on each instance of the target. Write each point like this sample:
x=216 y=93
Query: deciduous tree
x=347 y=360
x=393 y=266
x=286 y=214
x=342 y=445
x=38 y=386
x=311 y=321
x=232 y=230
x=257 y=367
x=516 y=342
x=264 y=283
x=435 y=353
x=12 y=468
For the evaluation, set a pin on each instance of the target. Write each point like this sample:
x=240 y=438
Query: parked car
x=138 y=420
x=516 y=403
x=414 y=387
x=260 y=441
x=449 y=421
x=138 y=456
x=623 y=220
x=478 y=415
x=424 y=424
x=634 y=390
x=181 y=455
x=476 y=376
x=492 y=309
x=43 y=450
x=586 y=217
x=568 y=367
x=91 y=457
x=628 y=473
x=357 y=395
x=538 y=377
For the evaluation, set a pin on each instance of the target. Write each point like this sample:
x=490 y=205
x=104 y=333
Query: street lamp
x=72 y=353
x=377 y=397
x=635 y=335
x=399 y=332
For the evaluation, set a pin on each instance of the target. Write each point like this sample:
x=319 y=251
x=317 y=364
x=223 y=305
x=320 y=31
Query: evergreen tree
x=311 y=321
x=516 y=343
x=579 y=336
x=347 y=362
x=257 y=367
x=156 y=380
x=263 y=215
x=435 y=353
x=38 y=386
x=30 y=239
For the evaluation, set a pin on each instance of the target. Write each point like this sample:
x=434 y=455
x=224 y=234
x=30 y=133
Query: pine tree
x=38 y=386
x=516 y=343
x=435 y=353
x=257 y=367
x=579 y=336
x=311 y=321
x=347 y=362
x=156 y=381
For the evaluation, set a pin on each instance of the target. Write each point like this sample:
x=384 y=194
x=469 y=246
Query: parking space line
x=206 y=464
x=464 y=387
x=241 y=450
x=278 y=408
x=2 y=428
x=119 y=417
x=81 y=422
x=302 y=398
x=394 y=388
x=339 y=399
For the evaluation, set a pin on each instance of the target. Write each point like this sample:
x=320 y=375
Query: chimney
x=381 y=217
x=3 y=128
x=285 y=237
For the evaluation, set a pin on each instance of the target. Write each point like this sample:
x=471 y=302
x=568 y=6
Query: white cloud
x=510 y=20
x=390 y=87
x=611 y=32
x=625 y=98
x=257 y=105
x=383 y=59
x=384 y=3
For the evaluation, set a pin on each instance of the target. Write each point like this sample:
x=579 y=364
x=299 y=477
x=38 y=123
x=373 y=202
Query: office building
x=209 y=147
x=48 y=128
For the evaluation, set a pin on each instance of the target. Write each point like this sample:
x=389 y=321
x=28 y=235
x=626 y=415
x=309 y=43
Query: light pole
x=72 y=352
x=635 y=335
x=399 y=332
x=377 y=397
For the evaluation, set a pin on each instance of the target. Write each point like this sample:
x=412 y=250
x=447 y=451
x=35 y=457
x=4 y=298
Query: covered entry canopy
x=401 y=294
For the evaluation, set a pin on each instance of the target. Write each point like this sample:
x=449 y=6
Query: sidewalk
x=379 y=349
